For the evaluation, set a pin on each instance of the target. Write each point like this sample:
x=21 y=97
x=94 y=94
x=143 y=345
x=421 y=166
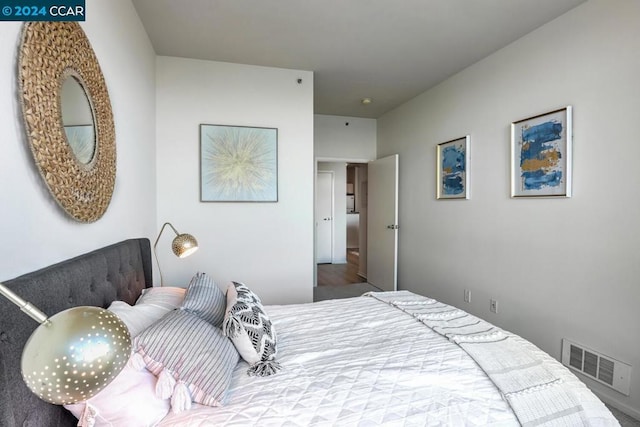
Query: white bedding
x=362 y=362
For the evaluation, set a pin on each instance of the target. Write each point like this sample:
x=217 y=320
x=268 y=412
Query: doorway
x=378 y=232
x=346 y=224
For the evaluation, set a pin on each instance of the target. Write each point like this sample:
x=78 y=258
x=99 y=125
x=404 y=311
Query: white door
x=382 y=227
x=324 y=217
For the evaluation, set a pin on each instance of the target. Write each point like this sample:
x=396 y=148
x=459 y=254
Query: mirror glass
x=77 y=119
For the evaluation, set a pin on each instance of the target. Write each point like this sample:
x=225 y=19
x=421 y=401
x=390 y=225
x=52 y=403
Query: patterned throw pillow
x=205 y=300
x=190 y=356
x=250 y=330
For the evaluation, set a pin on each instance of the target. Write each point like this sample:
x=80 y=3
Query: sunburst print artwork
x=238 y=164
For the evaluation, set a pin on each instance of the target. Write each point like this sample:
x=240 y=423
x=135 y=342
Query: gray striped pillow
x=193 y=352
x=205 y=300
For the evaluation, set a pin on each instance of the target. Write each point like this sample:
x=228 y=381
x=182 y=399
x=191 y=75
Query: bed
x=380 y=359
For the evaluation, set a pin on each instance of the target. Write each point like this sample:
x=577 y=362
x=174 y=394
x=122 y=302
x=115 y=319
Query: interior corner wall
x=35 y=232
x=268 y=246
x=339 y=170
x=559 y=268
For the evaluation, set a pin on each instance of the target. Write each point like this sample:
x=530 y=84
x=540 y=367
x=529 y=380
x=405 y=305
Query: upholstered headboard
x=116 y=272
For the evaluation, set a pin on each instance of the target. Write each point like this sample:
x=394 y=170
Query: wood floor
x=340 y=274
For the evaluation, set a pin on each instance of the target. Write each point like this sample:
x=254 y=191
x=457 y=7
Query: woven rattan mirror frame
x=49 y=53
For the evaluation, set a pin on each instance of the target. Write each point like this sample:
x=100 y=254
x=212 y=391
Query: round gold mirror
x=68 y=117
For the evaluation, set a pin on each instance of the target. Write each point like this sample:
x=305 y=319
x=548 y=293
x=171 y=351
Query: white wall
x=558 y=267
x=334 y=139
x=339 y=170
x=35 y=232
x=269 y=246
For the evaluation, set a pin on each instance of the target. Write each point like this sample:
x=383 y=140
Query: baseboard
x=363 y=275
x=618 y=405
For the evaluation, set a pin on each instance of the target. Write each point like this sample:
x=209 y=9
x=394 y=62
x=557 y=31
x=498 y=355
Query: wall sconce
x=182 y=246
x=73 y=354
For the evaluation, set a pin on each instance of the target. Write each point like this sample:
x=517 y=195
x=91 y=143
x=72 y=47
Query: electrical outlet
x=467 y=295
x=493 y=306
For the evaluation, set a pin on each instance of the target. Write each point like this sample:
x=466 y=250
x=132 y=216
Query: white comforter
x=361 y=362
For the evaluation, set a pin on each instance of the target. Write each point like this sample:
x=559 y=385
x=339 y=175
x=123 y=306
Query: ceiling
x=386 y=50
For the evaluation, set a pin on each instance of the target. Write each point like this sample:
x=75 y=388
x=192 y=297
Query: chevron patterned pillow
x=247 y=325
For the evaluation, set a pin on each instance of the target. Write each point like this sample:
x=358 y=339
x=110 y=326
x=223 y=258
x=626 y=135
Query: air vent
x=597 y=366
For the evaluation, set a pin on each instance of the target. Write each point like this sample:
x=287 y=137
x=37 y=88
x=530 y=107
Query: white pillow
x=137 y=317
x=129 y=400
x=165 y=296
x=152 y=305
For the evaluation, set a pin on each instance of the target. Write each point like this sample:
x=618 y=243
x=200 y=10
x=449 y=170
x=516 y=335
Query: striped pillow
x=191 y=357
x=205 y=300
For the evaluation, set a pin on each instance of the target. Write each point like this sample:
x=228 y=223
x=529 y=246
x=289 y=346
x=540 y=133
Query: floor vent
x=599 y=367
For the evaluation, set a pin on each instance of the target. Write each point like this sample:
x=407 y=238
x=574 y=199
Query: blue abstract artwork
x=540 y=156
x=452 y=169
x=541 y=152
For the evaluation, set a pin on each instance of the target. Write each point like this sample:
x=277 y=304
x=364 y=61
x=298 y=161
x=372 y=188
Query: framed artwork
x=238 y=164
x=541 y=155
x=453 y=169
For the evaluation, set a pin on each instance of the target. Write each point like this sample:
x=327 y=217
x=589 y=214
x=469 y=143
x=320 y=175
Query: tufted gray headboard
x=116 y=272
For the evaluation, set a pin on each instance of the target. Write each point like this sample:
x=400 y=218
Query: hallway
x=341 y=280
x=340 y=274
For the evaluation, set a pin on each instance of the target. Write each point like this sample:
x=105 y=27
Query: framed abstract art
x=453 y=169
x=541 y=155
x=238 y=164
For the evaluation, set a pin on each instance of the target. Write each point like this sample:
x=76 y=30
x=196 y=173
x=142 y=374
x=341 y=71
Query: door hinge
x=393 y=226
